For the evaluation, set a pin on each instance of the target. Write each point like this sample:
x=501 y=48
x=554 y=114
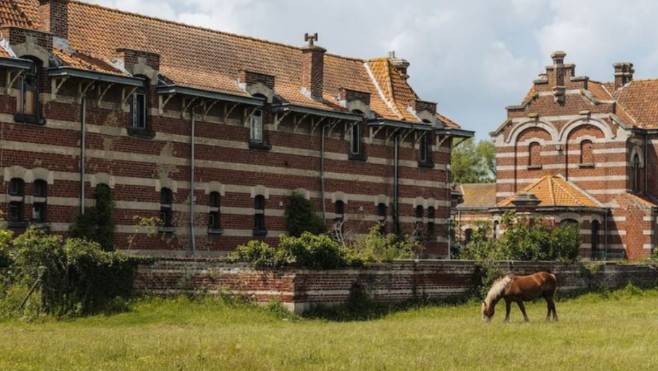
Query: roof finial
x=311 y=38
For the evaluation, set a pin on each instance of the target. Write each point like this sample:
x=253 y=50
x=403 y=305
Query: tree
x=301 y=217
x=474 y=163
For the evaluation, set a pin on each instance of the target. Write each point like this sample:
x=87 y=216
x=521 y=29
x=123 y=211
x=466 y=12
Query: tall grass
x=614 y=331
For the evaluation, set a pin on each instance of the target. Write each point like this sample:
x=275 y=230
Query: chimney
x=400 y=64
x=54 y=17
x=313 y=67
x=623 y=73
x=559 y=70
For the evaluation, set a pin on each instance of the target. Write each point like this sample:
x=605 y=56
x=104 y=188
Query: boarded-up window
x=534 y=154
x=586 y=152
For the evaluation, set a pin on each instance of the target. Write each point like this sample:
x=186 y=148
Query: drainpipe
x=192 y=184
x=396 y=170
x=605 y=235
x=324 y=201
x=83 y=154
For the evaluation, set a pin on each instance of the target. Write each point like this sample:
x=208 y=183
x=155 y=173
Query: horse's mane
x=497 y=289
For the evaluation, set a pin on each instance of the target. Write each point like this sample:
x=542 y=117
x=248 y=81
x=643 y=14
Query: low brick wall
x=300 y=289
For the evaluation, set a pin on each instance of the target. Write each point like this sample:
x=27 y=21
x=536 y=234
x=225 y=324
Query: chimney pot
x=623 y=73
x=401 y=65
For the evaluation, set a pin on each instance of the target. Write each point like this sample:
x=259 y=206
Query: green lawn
x=615 y=332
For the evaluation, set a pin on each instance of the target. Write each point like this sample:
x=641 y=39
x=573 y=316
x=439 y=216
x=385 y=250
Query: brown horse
x=518 y=289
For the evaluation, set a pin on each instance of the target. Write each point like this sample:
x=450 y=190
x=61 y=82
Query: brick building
x=209 y=131
x=581 y=151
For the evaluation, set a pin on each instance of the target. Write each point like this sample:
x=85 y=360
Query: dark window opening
x=28 y=109
x=214 y=224
x=635 y=177
x=381 y=214
x=16 y=202
x=40 y=194
x=339 y=220
x=468 y=235
x=596 y=226
x=431 y=226
x=259 y=216
x=425 y=151
x=166 y=200
x=139 y=107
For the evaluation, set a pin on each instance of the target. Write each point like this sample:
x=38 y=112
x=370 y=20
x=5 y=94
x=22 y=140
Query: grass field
x=617 y=331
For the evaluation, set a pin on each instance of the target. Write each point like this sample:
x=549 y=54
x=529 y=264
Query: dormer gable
x=138 y=62
x=424 y=110
x=257 y=83
x=354 y=100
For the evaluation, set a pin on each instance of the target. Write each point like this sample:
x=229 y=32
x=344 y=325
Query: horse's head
x=487 y=311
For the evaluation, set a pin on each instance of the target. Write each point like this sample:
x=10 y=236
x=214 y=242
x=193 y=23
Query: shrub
x=76 y=275
x=260 y=255
x=97 y=224
x=314 y=251
x=377 y=247
x=301 y=217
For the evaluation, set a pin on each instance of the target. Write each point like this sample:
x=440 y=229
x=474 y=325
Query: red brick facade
x=599 y=137
x=167 y=114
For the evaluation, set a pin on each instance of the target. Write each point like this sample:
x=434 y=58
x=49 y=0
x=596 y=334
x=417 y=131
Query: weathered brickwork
x=201 y=113
x=599 y=138
x=300 y=290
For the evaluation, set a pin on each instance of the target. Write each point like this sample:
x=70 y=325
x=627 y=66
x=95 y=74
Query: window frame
x=166 y=210
x=39 y=200
x=260 y=228
x=214 y=214
x=16 y=204
x=30 y=81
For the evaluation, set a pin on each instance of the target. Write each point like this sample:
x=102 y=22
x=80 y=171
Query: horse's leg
x=522 y=307
x=508 y=306
x=553 y=309
x=549 y=307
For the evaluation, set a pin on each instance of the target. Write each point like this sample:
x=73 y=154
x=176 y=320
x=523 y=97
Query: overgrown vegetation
x=524 y=239
x=301 y=216
x=322 y=252
x=46 y=273
x=97 y=224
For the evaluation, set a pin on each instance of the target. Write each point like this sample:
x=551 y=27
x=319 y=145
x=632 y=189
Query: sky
x=473 y=58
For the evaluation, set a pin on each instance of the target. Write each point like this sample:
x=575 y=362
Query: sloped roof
x=477 y=196
x=210 y=60
x=639 y=98
x=555 y=190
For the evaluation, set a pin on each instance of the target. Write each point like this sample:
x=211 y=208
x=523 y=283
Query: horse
x=513 y=288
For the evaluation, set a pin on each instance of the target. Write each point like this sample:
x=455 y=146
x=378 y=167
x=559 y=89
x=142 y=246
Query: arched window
x=214 y=212
x=635 y=177
x=534 y=155
x=381 y=215
x=166 y=201
x=39 y=200
x=496 y=227
x=586 y=152
x=596 y=226
x=139 y=106
x=259 y=216
x=468 y=235
x=16 y=200
x=431 y=232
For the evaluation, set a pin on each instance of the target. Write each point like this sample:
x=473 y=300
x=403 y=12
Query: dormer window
x=425 y=151
x=139 y=107
x=28 y=100
x=256 y=127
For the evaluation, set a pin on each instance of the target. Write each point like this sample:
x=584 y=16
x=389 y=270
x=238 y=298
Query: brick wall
x=300 y=290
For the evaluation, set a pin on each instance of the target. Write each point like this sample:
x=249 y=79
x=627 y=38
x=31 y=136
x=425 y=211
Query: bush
x=301 y=217
x=376 y=247
x=260 y=255
x=315 y=251
x=529 y=240
x=76 y=275
x=308 y=251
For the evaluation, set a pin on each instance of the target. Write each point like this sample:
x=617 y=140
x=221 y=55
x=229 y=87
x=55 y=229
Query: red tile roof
x=475 y=196
x=554 y=190
x=211 y=60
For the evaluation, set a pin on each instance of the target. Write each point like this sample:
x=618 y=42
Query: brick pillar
x=54 y=17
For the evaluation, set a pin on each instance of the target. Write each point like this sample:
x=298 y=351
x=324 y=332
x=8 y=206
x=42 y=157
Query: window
x=496 y=229
x=28 y=100
x=425 y=151
x=431 y=229
x=166 y=200
x=40 y=194
x=339 y=220
x=635 y=177
x=534 y=155
x=381 y=214
x=468 y=235
x=356 y=148
x=595 y=238
x=16 y=200
x=586 y=153
x=259 y=216
x=139 y=107
x=256 y=126
x=213 y=212
x=419 y=221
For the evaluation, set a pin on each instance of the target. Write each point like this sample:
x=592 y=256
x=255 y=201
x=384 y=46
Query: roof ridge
x=226 y=33
x=565 y=190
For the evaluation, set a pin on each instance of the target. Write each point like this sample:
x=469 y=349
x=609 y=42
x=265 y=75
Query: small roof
x=556 y=191
x=477 y=195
